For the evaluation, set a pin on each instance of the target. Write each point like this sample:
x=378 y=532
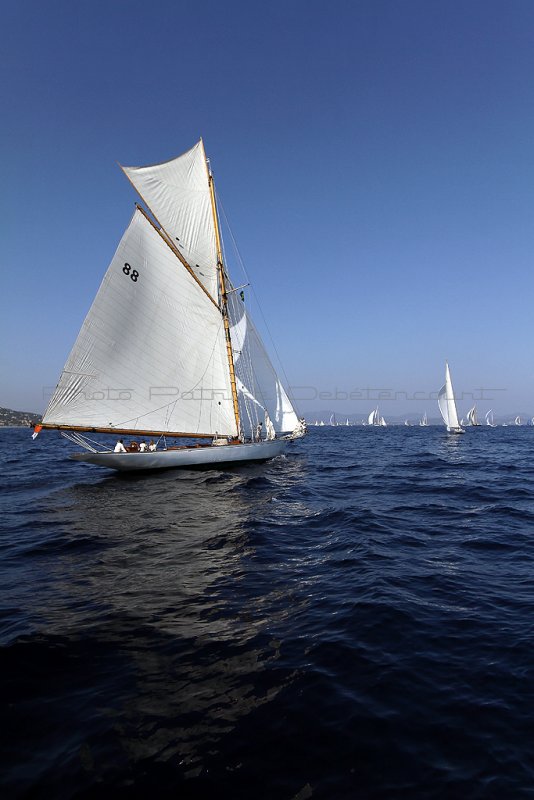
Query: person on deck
x=259 y=430
x=151 y=446
x=143 y=447
x=119 y=447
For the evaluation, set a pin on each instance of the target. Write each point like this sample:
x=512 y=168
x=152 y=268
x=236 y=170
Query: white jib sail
x=257 y=380
x=446 y=402
x=151 y=353
x=178 y=194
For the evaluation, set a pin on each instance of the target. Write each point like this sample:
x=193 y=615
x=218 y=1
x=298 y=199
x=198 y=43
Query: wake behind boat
x=168 y=349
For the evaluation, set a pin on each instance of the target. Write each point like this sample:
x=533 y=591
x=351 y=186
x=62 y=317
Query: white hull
x=186 y=457
x=455 y=430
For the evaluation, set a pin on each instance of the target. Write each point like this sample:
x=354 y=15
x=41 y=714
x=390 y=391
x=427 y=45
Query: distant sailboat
x=447 y=404
x=373 y=418
x=423 y=422
x=407 y=422
x=472 y=417
x=489 y=419
x=517 y=421
x=376 y=419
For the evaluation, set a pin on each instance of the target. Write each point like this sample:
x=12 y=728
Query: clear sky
x=375 y=159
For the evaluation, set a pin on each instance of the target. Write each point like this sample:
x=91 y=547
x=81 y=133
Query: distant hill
x=9 y=417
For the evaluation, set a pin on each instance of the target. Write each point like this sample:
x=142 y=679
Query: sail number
x=133 y=273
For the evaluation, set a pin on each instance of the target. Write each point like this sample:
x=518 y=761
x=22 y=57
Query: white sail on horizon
x=447 y=404
x=472 y=416
x=489 y=418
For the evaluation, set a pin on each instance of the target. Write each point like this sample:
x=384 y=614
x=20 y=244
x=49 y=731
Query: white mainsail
x=447 y=404
x=178 y=195
x=423 y=421
x=151 y=353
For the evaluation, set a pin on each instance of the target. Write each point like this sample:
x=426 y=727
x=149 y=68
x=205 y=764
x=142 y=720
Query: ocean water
x=354 y=620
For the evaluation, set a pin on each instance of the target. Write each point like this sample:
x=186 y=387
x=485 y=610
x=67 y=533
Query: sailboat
x=168 y=350
x=423 y=422
x=376 y=419
x=517 y=421
x=447 y=404
x=489 y=419
x=472 y=417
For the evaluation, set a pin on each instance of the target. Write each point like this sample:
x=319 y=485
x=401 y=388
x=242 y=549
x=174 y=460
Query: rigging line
x=140 y=416
x=290 y=393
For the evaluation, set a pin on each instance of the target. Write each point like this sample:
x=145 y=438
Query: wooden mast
x=224 y=297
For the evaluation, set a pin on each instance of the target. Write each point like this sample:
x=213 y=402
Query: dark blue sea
x=354 y=620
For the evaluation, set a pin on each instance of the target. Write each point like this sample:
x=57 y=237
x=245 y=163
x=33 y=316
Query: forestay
x=151 y=354
x=177 y=192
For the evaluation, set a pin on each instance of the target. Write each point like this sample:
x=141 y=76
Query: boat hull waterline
x=187 y=457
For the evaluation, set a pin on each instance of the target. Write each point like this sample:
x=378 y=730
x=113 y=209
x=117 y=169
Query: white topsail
x=151 y=353
x=178 y=195
x=447 y=404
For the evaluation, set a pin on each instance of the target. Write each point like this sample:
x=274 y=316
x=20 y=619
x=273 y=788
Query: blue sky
x=375 y=160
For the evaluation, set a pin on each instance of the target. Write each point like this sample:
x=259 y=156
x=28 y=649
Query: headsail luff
x=151 y=353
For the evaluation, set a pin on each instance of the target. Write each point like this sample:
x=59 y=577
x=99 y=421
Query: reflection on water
x=151 y=567
x=451 y=447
